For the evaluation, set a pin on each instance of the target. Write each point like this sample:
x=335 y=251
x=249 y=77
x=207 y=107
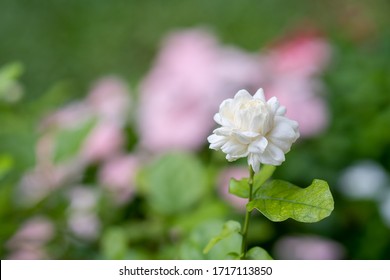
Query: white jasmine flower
x=255 y=128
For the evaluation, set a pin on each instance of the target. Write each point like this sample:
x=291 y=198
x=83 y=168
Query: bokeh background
x=105 y=107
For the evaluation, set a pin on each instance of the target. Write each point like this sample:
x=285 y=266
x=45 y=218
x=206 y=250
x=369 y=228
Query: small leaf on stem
x=239 y=188
x=229 y=228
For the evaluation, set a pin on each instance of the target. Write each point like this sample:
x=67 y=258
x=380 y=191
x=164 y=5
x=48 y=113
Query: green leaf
x=193 y=244
x=175 y=182
x=208 y=209
x=10 y=89
x=228 y=229
x=257 y=253
x=279 y=200
x=263 y=175
x=239 y=188
x=11 y=71
x=6 y=164
x=69 y=141
x=114 y=243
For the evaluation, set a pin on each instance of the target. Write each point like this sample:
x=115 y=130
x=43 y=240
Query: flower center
x=254 y=104
x=254 y=116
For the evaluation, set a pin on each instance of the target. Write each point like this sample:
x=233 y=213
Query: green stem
x=245 y=229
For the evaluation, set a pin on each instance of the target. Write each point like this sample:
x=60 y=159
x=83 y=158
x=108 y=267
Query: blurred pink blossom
x=118 y=175
x=31 y=238
x=104 y=141
x=304 y=54
x=69 y=116
x=85 y=225
x=308 y=248
x=223 y=186
x=191 y=76
x=83 y=220
x=37 y=230
x=110 y=99
x=28 y=254
x=108 y=106
x=82 y=198
x=292 y=70
x=303 y=105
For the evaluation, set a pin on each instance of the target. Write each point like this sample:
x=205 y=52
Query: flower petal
x=254 y=161
x=284 y=134
x=258 y=146
x=242 y=138
x=284 y=129
x=216 y=141
x=272 y=155
x=273 y=105
x=281 y=111
x=259 y=94
x=242 y=95
x=223 y=131
x=234 y=149
x=226 y=113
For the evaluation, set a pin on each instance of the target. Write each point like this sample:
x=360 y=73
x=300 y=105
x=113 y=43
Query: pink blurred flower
x=303 y=105
x=28 y=254
x=36 y=230
x=304 y=54
x=110 y=99
x=85 y=225
x=29 y=241
x=104 y=141
x=191 y=76
x=308 y=248
x=69 y=116
x=82 y=198
x=292 y=69
x=47 y=175
x=107 y=105
x=83 y=220
x=39 y=182
x=223 y=186
x=118 y=175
